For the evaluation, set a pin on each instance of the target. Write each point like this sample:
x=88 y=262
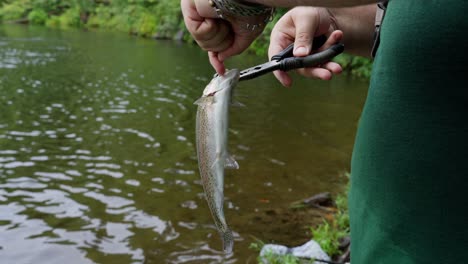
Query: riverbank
x=332 y=234
x=159 y=19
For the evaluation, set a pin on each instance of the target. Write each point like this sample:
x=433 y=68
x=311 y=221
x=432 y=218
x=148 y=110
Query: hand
x=222 y=39
x=300 y=25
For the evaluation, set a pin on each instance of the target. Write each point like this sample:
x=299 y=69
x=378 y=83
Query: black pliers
x=285 y=60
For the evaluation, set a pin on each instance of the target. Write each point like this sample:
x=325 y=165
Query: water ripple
x=109 y=201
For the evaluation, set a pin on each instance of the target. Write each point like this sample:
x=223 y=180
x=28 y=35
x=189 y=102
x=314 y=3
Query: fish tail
x=228 y=241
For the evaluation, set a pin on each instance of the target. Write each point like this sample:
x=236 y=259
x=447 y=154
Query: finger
x=204 y=9
x=333 y=67
x=283 y=78
x=282 y=35
x=316 y=73
x=241 y=42
x=218 y=39
x=305 y=30
x=206 y=30
x=237 y=47
x=335 y=37
x=191 y=17
x=278 y=42
x=325 y=71
x=217 y=65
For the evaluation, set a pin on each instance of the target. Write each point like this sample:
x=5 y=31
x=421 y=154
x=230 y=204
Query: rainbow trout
x=213 y=157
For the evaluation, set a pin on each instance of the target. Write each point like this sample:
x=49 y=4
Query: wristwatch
x=232 y=9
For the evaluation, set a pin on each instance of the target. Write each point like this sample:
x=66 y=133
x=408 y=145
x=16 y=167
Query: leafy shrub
x=328 y=236
x=356 y=65
x=38 y=17
x=169 y=17
x=50 y=6
x=71 y=18
x=53 y=21
x=15 y=10
x=100 y=16
x=146 y=24
x=141 y=17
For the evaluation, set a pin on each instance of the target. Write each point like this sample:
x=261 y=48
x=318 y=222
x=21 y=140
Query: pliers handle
x=285 y=60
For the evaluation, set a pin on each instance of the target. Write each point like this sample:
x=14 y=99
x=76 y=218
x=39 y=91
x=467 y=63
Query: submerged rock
x=310 y=250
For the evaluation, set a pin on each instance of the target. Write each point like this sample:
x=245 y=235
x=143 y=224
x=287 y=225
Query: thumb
x=304 y=35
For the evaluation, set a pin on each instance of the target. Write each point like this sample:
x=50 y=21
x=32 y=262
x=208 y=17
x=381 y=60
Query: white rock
x=310 y=250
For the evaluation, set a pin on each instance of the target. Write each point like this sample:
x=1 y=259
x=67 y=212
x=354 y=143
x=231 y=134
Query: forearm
x=357 y=24
x=321 y=3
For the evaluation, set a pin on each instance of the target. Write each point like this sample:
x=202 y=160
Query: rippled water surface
x=97 y=158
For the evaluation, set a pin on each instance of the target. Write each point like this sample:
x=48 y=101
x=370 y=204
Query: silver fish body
x=213 y=158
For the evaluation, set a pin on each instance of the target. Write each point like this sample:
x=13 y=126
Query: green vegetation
x=145 y=18
x=355 y=65
x=272 y=258
x=327 y=234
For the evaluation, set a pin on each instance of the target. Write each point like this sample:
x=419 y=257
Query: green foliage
x=70 y=18
x=260 y=45
x=15 y=10
x=50 y=6
x=141 y=17
x=101 y=15
x=272 y=258
x=257 y=245
x=169 y=17
x=38 y=17
x=146 y=18
x=53 y=21
x=146 y=24
x=328 y=234
x=84 y=5
x=356 y=65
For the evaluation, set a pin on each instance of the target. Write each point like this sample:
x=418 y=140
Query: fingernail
x=300 y=51
x=221 y=57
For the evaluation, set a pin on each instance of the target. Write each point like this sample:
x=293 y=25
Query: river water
x=97 y=156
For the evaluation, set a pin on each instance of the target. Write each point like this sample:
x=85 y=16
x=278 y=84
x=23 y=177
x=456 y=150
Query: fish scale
x=212 y=136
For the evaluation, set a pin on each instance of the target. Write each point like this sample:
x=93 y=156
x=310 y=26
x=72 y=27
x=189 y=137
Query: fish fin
x=237 y=104
x=228 y=240
x=231 y=163
x=215 y=162
x=205 y=100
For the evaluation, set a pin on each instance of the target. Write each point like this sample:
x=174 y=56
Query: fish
x=212 y=124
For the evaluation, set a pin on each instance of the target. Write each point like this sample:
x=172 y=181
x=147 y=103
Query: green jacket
x=409 y=173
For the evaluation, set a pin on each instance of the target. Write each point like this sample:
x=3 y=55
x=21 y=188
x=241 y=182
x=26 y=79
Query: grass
x=272 y=258
x=327 y=234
